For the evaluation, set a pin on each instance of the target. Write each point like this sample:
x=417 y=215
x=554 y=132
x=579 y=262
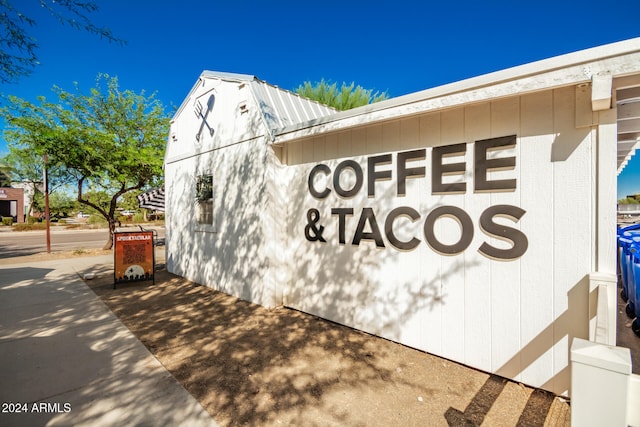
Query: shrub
x=29 y=227
x=32 y=220
x=138 y=217
x=159 y=216
x=96 y=219
x=7 y=220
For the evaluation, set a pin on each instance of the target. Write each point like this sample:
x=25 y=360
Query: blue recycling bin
x=626 y=263
x=630 y=255
x=630 y=228
x=625 y=237
x=630 y=288
x=634 y=287
x=633 y=278
x=623 y=261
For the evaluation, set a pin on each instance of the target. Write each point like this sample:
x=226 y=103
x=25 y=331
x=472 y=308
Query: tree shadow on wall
x=351 y=283
x=227 y=254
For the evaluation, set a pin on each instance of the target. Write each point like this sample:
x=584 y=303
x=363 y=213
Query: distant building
x=12 y=203
x=29 y=188
x=16 y=198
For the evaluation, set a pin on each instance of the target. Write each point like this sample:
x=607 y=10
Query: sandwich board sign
x=134 y=257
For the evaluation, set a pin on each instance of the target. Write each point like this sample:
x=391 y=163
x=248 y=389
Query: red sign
x=133 y=257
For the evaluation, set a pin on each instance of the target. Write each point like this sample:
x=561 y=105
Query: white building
x=472 y=221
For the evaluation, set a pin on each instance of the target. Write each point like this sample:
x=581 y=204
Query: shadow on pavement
x=65 y=356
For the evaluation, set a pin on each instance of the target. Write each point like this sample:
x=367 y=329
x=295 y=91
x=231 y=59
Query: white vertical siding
x=573 y=168
x=434 y=293
x=507 y=281
x=478 y=291
x=514 y=317
x=452 y=267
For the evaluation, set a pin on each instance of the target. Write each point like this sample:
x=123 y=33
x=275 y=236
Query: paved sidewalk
x=65 y=359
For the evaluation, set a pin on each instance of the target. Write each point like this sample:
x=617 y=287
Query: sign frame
x=134 y=258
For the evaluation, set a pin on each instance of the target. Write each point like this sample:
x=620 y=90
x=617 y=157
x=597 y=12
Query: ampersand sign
x=312 y=232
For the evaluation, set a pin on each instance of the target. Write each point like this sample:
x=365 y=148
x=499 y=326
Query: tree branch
x=88 y=202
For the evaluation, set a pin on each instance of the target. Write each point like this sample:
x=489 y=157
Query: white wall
x=229 y=254
x=515 y=318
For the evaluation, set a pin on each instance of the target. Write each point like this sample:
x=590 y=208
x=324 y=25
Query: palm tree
x=346 y=97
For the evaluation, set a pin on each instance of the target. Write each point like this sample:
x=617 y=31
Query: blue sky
x=400 y=46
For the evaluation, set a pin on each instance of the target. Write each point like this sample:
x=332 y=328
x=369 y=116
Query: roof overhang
x=608 y=68
x=628 y=109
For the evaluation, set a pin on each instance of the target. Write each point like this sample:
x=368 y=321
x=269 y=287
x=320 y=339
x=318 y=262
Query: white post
x=602 y=308
x=606 y=192
x=599 y=384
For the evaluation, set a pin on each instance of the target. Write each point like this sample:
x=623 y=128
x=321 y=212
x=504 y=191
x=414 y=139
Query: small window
x=204 y=199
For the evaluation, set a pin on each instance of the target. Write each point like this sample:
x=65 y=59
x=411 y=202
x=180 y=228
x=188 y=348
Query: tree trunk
x=112 y=229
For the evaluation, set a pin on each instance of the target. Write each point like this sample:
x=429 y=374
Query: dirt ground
x=248 y=365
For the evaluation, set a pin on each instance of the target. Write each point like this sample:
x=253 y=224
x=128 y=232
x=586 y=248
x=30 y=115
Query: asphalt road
x=13 y=243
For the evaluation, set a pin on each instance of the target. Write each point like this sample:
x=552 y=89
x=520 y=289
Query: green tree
x=109 y=141
x=628 y=201
x=344 y=98
x=18 y=49
x=5 y=174
x=61 y=204
x=130 y=201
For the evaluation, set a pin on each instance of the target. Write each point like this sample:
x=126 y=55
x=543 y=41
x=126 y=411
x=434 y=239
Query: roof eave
x=518 y=79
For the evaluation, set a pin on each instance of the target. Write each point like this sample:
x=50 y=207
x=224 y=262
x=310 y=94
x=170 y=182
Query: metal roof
x=279 y=107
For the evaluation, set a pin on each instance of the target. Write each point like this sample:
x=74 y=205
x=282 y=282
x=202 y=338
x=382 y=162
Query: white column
x=606 y=192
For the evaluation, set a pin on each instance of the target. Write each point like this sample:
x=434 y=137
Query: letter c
x=388 y=227
x=316 y=169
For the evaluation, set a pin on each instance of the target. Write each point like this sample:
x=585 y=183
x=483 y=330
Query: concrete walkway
x=65 y=359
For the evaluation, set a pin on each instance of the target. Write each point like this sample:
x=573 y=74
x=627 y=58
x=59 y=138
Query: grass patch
x=96 y=219
x=29 y=227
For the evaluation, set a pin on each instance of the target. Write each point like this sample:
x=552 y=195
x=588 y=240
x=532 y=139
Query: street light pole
x=46 y=203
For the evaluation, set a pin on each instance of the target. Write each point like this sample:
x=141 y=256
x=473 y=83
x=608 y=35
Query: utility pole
x=46 y=203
